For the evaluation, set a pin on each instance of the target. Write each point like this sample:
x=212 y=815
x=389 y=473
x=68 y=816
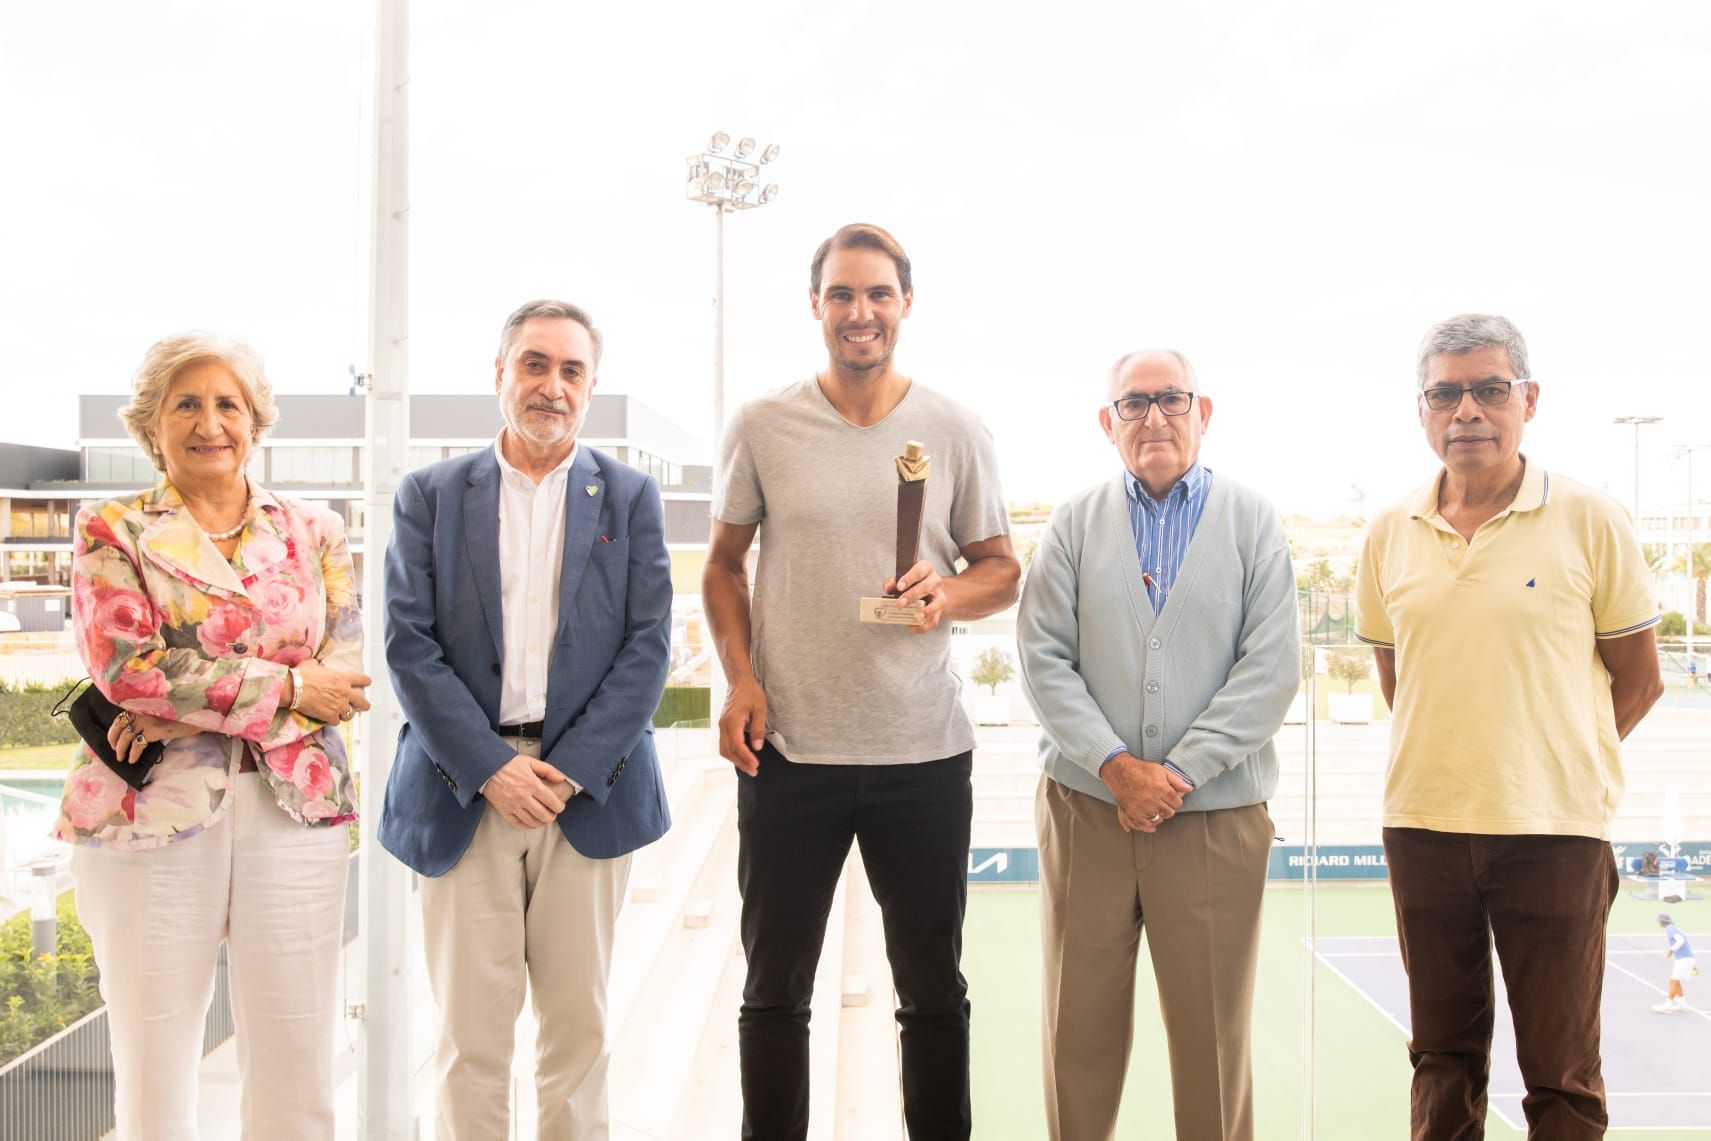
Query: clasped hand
x=528 y=791
x=331 y=695
x=1147 y=794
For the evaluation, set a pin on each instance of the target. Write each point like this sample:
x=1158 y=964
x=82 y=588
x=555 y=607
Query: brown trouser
x=1546 y=900
x=1196 y=886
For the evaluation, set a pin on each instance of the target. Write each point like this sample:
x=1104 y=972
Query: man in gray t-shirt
x=843 y=731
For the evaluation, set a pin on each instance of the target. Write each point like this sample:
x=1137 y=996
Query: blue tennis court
x=1657 y=1067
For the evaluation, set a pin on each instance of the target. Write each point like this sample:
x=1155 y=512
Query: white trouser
x=274 y=891
x=522 y=902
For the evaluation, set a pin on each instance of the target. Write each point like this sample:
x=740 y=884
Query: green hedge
x=26 y=717
x=682 y=703
x=44 y=996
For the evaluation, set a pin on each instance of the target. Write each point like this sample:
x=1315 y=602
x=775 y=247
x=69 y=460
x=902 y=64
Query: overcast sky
x=1289 y=194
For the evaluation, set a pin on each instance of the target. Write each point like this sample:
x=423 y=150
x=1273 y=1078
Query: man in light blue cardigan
x=1160 y=649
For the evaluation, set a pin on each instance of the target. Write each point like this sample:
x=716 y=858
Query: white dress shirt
x=531 y=557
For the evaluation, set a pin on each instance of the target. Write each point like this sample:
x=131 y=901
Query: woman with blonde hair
x=222 y=621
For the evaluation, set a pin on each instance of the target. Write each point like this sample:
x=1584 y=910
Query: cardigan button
x=1154 y=644
x=1152 y=730
x=1152 y=687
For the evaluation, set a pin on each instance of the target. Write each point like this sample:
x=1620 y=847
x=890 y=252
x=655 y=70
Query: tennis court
x=1658 y=1067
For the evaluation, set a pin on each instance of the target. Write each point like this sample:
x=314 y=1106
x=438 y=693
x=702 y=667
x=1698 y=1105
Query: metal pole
x=717 y=687
x=718 y=331
x=1637 y=423
x=1692 y=583
x=384 y=1107
x=44 y=913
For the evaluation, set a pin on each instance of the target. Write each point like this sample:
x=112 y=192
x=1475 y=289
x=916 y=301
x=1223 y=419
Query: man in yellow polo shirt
x=1510 y=612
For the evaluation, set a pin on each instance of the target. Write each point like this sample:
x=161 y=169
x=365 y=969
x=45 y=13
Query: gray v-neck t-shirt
x=824 y=491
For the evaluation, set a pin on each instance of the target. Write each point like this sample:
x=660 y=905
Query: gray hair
x=1123 y=363
x=169 y=357
x=1468 y=332
x=548 y=308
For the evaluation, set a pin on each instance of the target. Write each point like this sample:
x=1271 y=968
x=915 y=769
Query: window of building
x=39 y=520
x=118 y=465
x=323 y=465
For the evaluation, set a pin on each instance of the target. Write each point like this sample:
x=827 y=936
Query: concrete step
x=702 y=794
x=869 y=1091
x=711 y=1108
x=825 y=1019
x=653 y=1059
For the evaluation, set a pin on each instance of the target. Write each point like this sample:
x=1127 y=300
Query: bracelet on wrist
x=296 y=689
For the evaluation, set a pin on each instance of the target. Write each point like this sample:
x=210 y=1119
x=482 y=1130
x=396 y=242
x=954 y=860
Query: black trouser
x=796 y=823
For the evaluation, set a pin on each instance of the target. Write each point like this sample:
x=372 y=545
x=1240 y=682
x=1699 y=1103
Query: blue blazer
x=444 y=650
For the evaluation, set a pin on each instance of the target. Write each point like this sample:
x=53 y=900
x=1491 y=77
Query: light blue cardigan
x=1204 y=684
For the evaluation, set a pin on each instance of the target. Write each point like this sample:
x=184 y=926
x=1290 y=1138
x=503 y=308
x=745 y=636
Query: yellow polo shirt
x=1502 y=722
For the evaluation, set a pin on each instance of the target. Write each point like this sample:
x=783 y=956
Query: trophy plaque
x=912 y=468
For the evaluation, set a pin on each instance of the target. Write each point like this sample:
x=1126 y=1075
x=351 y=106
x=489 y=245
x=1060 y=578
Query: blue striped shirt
x=1163 y=529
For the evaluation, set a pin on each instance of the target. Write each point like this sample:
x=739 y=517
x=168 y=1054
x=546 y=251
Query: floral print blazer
x=168 y=627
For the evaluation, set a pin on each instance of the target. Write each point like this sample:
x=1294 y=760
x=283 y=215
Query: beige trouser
x=521 y=900
x=1195 y=885
x=274 y=891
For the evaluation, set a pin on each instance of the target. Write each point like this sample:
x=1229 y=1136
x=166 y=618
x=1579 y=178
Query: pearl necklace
x=232 y=532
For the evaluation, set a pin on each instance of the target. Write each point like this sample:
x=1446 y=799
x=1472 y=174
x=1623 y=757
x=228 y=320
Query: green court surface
x=1360 y=1057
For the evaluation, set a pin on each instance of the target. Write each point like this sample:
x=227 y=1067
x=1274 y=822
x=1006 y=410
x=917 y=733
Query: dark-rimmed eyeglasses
x=1447 y=397
x=1136 y=405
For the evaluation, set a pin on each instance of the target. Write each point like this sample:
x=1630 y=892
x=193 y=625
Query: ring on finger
x=126 y=718
x=1155 y=818
x=350 y=711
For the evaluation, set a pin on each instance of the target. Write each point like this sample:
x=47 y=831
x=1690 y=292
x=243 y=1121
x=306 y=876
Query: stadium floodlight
x=726 y=182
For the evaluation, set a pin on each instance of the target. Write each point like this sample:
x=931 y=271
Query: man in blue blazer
x=528 y=620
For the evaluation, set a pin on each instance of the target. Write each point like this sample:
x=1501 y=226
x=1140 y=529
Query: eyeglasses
x=1136 y=406
x=1446 y=397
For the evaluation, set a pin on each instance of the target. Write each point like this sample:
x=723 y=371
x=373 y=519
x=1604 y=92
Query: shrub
x=1674 y=625
x=26 y=716
x=44 y=996
x=683 y=703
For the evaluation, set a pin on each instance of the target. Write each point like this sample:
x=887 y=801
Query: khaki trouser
x=522 y=901
x=1195 y=887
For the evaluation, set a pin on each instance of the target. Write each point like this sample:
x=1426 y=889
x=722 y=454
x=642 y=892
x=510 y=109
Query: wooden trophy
x=912 y=468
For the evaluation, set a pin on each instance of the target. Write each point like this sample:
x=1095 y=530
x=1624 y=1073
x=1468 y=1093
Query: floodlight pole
x=1638 y=422
x=718 y=333
x=725 y=182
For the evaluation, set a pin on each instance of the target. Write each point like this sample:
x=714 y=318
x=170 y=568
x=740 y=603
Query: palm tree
x=1698 y=569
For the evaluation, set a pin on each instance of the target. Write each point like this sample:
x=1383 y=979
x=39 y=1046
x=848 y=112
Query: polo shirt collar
x=1535 y=492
